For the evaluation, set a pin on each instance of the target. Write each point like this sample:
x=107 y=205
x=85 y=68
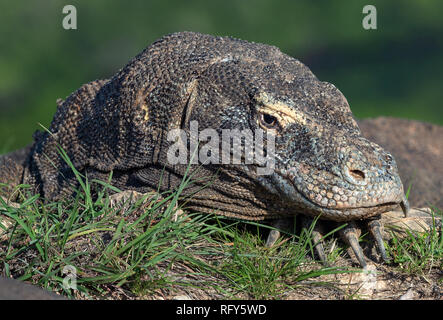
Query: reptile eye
x=268 y=121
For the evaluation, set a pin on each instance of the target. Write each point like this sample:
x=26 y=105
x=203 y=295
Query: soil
x=378 y=282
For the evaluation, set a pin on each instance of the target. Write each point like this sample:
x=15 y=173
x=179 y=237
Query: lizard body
x=323 y=164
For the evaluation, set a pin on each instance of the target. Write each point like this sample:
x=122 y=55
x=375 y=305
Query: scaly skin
x=323 y=164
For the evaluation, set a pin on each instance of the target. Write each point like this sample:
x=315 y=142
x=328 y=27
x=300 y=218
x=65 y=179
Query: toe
x=350 y=235
x=272 y=238
x=316 y=236
x=374 y=227
x=274 y=234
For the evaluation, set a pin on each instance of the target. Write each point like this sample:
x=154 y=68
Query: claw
x=317 y=238
x=272 y=238
x=349 y=235
x=275 y=234
x=374 y=227
x=404 y=204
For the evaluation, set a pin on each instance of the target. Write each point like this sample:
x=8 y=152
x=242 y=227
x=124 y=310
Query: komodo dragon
x=323 y=165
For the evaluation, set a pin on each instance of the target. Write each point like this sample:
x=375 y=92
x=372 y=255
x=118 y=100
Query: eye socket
x=268 y=121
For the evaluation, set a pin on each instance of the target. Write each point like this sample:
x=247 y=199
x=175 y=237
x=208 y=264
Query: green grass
x=418 y=253
x=139 y=249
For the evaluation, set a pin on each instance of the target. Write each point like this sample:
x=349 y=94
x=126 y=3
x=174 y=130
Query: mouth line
x=345 y=209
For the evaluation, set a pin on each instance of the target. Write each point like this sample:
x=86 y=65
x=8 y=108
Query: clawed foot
x=316 y=236
x=307 y=223
x=274 y=234
x=416 y=220
x=351 y=232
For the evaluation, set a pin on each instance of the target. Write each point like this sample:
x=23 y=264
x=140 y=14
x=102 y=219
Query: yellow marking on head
x=145 y=107
x=283 y=112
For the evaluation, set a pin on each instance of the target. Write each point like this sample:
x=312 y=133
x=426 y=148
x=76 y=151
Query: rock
x=181 y=297
x=365 y=284
x=12 y=289
x=419 y=220
x=409 y=295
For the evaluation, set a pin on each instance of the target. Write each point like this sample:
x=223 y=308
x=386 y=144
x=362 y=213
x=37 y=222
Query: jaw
x=277 y=183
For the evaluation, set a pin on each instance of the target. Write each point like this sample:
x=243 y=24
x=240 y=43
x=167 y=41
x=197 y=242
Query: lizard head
x=321 y=159
x=322 y=163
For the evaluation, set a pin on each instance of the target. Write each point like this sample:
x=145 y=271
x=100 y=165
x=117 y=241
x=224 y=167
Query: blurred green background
x=396 y=70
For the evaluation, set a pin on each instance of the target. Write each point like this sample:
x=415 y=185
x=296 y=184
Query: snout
x=354 y=182
x=355 y=168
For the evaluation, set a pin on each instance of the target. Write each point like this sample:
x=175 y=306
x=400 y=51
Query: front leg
x=380 y=228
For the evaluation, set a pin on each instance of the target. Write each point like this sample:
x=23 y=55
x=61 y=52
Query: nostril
x=357 y=175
